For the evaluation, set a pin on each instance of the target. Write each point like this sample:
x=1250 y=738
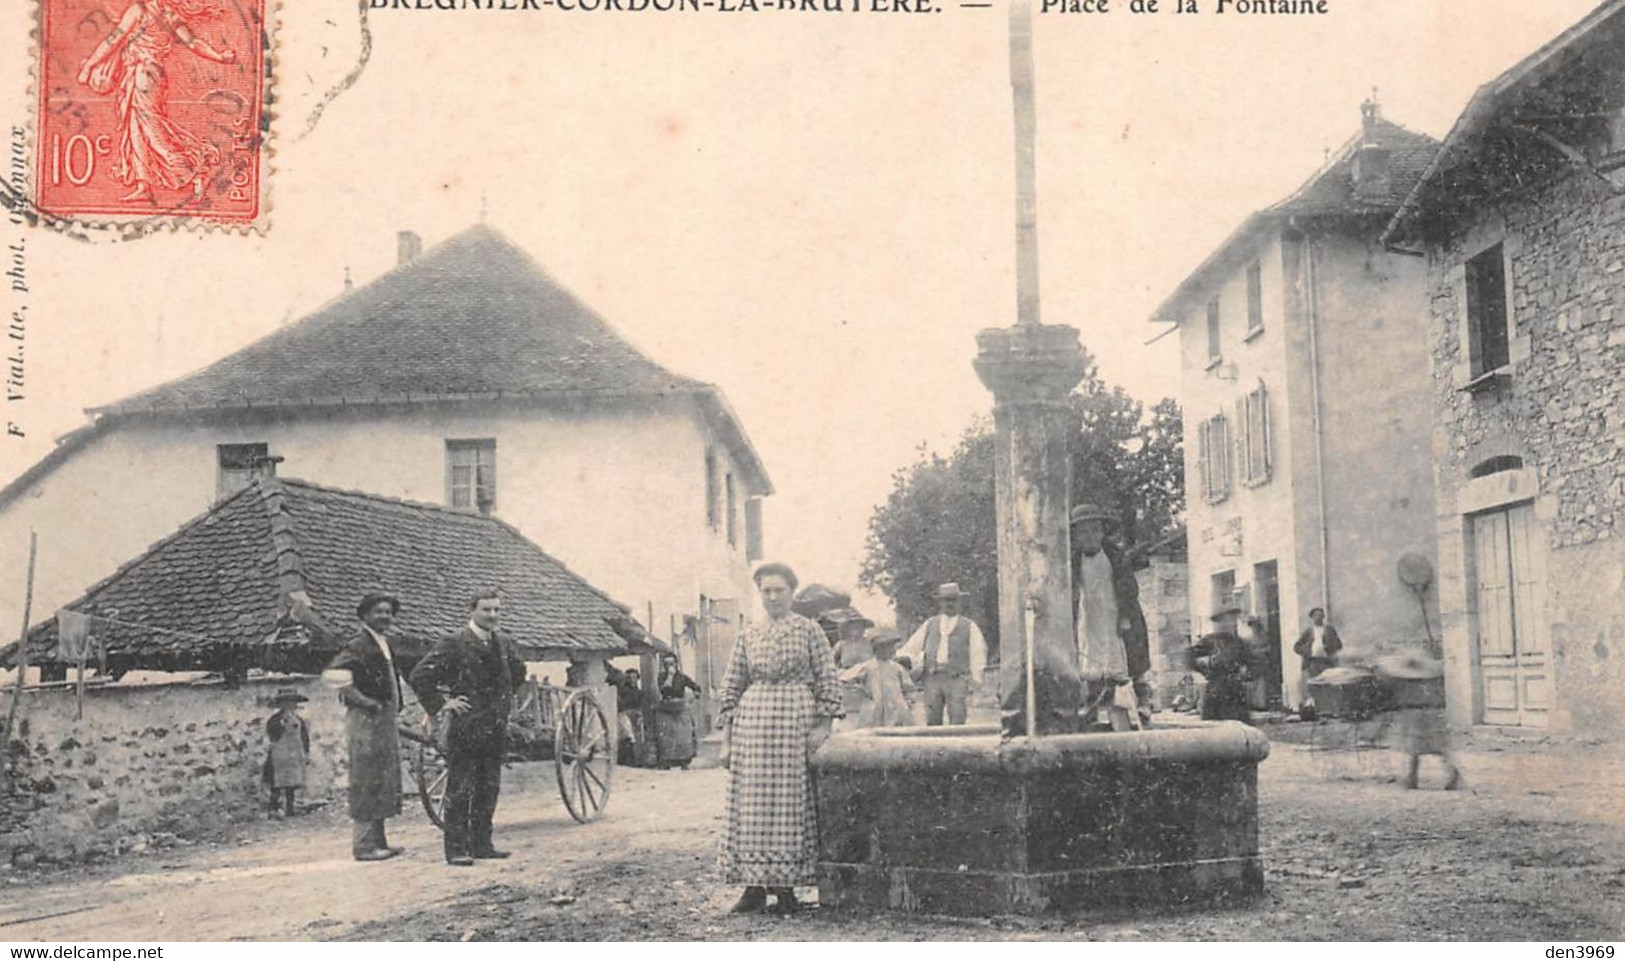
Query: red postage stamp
x=152 y=110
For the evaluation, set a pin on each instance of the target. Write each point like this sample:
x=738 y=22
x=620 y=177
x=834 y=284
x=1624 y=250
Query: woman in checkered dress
x=779 y=698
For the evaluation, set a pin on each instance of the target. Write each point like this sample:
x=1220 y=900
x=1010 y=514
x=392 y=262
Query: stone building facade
x=1524 y=236
x=1165 y=599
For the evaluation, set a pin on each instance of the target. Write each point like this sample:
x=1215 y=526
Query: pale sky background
x=812 y=211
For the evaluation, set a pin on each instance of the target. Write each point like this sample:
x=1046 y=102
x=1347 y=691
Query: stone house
x=467 y=377
x=1521 y=219
x=1306 y=417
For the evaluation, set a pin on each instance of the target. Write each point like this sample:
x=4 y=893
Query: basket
x=1359 y=698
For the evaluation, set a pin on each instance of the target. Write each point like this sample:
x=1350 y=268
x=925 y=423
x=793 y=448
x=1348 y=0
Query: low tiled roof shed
x=270 y=577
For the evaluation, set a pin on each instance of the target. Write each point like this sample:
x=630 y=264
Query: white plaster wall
x=618 y=495
x=1264 y=512
x=1378 y=423
x=1375 y=438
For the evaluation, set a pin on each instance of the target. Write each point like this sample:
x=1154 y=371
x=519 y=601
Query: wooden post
x=1026 y=116
x=650 y=666
x=22 y=643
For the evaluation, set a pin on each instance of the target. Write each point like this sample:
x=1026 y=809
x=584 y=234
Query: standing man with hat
x=470 y=678
x=1114 y=647
x=1228 y=663
x=951 y=654
x=371 y=665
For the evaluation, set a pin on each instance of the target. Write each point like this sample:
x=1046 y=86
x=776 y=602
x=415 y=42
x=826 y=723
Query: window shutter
x=753 y=529
x=1202 y=468
x=1264 y=420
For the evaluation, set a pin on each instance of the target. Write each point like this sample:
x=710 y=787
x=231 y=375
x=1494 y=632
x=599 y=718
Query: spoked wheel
x=429 y=771
x=583 y=756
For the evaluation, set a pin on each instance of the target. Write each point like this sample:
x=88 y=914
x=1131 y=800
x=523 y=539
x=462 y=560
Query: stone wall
x=150 y=761
x=1562 y=411
x=1165 y=598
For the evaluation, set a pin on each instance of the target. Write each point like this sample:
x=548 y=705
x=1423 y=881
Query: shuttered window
x=1255 y=453
x=753 y=529
x=1255 y=298
x=713 y=490
x=1488 y=340
x=1213 y=457
x=733 y=512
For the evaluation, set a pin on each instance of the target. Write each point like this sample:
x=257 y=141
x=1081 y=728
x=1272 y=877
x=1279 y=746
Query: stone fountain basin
x=952 y=820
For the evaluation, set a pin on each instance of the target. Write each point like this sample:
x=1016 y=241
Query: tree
x=937 y=524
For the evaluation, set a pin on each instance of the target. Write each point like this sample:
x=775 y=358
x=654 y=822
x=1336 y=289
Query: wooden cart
x=565 y=726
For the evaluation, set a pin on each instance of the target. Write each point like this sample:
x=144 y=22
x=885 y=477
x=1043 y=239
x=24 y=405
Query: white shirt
x=480 y=632
x=394 y=680
x=914 y=650
x=1100 y=647
x=1317 y=648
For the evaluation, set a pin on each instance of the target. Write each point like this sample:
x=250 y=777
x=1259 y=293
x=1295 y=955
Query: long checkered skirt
x=771 y=838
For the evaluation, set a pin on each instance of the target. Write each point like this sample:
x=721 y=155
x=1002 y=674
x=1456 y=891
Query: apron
x=375 y=764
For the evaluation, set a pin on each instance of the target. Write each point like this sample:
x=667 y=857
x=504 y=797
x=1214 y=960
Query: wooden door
x=1514 y=662
x=1269 y=611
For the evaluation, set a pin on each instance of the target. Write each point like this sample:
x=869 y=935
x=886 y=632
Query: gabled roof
x=1516 y=130
x=217 y=593
x=1328 y=193
x=473 y=318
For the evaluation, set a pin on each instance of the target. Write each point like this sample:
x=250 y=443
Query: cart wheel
x=429 y=771
x=583 y=756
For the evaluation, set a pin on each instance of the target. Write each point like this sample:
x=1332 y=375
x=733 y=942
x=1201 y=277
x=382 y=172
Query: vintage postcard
x=821 y=470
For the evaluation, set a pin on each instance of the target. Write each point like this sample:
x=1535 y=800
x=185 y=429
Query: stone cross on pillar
x=1031 y=368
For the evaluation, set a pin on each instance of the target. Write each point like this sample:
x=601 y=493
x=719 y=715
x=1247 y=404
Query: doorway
x=1509 y=631
x=1267 y=577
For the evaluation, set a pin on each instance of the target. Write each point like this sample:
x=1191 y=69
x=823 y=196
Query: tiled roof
x=1331 y=189
x=1521 y=128
x=216 y=592
x=474 y=316
x=1328 y=193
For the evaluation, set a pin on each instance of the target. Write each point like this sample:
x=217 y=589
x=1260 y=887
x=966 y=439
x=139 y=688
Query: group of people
x=467 y=684
x=668 y=723
x=787 y=686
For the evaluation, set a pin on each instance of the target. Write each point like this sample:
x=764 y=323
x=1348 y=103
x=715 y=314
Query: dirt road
x=1534 y=849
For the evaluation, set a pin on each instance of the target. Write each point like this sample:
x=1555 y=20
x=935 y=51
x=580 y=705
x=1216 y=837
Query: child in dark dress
x=285 y=762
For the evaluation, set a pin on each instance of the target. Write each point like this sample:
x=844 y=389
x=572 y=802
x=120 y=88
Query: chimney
x=408 y=245
x=1372 y=179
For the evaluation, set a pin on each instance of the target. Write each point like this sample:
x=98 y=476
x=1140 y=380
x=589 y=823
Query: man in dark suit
x=369 y=666
x=469 y=679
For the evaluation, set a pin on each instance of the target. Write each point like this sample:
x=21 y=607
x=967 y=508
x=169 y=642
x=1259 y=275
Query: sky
x=812 y=211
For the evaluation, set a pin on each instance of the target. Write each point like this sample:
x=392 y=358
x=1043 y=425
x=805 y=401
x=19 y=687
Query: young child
x=290 y=750
x=891 y=696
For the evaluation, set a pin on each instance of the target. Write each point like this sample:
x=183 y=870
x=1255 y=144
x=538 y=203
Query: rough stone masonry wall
x=150 y=762
x=1165 y=599
x=1563 y=413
